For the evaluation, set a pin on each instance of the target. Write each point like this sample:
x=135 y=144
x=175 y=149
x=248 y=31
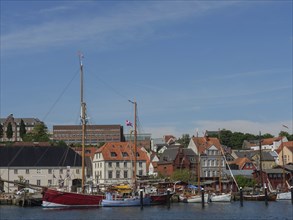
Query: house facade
x=285 y=153
x=210 y=151
x=39 y=166
x=113 y=163
x=15 y=124
x=177 y=158
x=266 y=143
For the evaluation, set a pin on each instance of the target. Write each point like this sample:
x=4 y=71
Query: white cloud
x=103 y=28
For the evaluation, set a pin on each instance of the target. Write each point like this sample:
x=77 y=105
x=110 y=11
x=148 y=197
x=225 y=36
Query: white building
x=114 y=163
x=38 y=166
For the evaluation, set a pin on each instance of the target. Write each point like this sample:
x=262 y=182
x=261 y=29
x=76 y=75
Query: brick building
x=95 y=134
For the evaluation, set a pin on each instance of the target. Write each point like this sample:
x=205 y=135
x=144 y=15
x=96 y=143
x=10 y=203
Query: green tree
x=244 y=181
x=183 y=175
x=225 y=137
x=1 y=131
x=22 y=129
x=9 y=131
x=267 y=135
x=38 y=134
x=184 y=140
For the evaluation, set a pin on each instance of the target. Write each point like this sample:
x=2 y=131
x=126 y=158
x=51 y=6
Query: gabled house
x=210 y=151
x=177 y=158
x=267 y=160
x=40 y=166
x=153 y=168
x=114 y=163
x=285 y=153
x=242 y=164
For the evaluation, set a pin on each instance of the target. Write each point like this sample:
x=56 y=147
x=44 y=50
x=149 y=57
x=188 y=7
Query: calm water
x=250 y=210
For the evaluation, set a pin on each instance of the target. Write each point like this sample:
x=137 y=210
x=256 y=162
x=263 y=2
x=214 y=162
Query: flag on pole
x=128 y=123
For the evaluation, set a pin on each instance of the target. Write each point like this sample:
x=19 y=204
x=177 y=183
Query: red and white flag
x=128 y=123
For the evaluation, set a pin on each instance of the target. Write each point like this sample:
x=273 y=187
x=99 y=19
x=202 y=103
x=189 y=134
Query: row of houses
x=41 y=164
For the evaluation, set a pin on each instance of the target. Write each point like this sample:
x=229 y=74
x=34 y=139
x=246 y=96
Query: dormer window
x=124 y=154
x=113 y=154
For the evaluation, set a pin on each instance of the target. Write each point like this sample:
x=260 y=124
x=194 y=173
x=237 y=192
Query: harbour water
x=180 y=211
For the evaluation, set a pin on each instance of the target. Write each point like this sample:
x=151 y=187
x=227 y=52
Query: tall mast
x=83 y=122
x=283 y=163
x=260 y=160
x=135 y=142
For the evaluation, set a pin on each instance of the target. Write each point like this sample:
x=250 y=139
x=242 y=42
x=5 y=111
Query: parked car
x=27 y=190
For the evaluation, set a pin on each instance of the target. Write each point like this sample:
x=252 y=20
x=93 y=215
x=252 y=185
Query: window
x=140 y=172
x=27 y=171
x=140 y=164
x=113 y=154
x=39 y=171
x=110 y=174
x=118 y=174
x=117 y=164
x=125 y=174
x=15 y=171
x=110 y=164
x=49 y=182
x=124 y=154
x=77 y=171
x=125 y=164
x=61 y=171
x=38 y=182
x=49 y=171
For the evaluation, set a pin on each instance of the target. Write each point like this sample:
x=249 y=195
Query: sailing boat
x=221 y=197
x=54 y=198
x=114 y=200
x=261 y=196
x=195 y=196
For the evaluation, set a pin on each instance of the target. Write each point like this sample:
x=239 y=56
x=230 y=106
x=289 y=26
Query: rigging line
x=60 y=96
x=41 y=157
x=64 y=160
x=111 y=87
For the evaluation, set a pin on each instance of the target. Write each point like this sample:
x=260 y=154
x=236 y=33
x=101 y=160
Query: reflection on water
x=250 y=210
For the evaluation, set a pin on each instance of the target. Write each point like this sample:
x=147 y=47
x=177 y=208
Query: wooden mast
x=260 y=161
x=83 y=122
x=135 y=143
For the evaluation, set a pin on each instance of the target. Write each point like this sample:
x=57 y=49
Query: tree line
x=234 y=139
x=39 y=133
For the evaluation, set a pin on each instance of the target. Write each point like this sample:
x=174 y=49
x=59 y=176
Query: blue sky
x=190 y=65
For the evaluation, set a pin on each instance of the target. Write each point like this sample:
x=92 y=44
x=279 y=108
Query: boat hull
x=194 y=198
x=125 y=202
x=284 y=196
x=160 y=199
x=261 y=197
x=53 y=198
x=221 y=198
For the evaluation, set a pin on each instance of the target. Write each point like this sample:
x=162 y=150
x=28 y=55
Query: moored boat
x=54 y=198
x=223 y=197
x=112 y=201
x=193 y=198
x=284 y=195
x=260 y=197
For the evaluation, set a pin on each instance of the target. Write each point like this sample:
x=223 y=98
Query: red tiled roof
x=204 y=143
x=118 y=148
x=270 y=141
x=241 y=161
x=288 y=144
